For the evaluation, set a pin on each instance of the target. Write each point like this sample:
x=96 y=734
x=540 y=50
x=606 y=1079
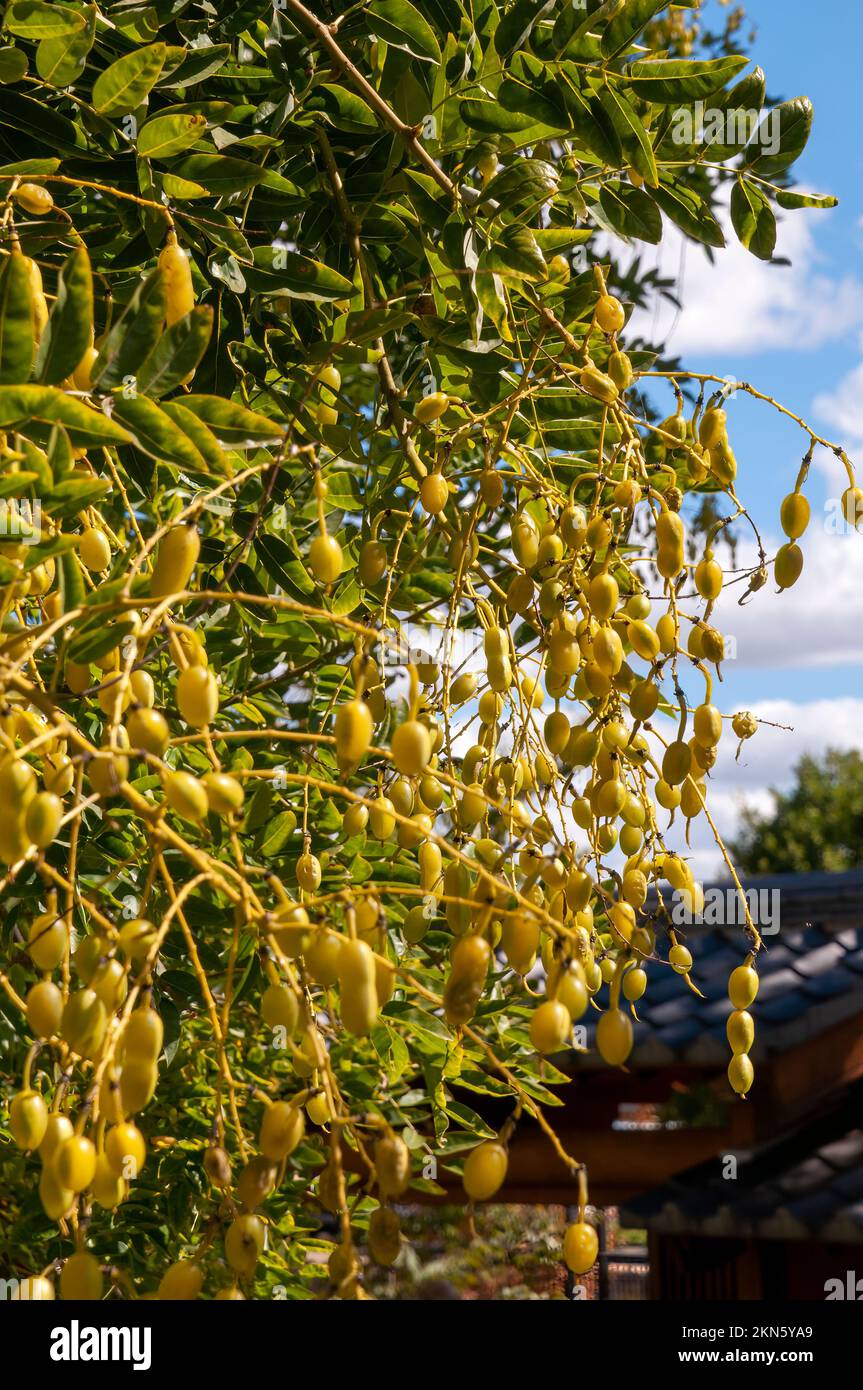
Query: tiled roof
x=806 y=1185
x=811 y=974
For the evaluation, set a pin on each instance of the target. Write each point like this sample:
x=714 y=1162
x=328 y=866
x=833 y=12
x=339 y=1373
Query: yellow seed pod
x=197 y=696
x=147 y=729
x=666 y=631
x=676 y=762
x=602 y=596
x=225 y=794
x=42 y=819
x=431 y=407
x=712 y=428
x=723 y=463
x=411 y=748
x=384 y=1237
x=788 y=565
x=852 y=506
x=176 y=271
x=740 y=1031
x=392 y=1165
x=108 y=1188
x=44 y=1009
x=485 y=1170
x=187 y=796
x=794 y=515
x=28 y=1119
x=138 y=1081
x=94 y=549
x=325 y=559
x=643 y=639
x=282 y=1129
x=743 y=987
x=693 y=794
x=57 y=1201
x=580 y=1246
x=471 y=959
x=181 y=1282
x=358 y=988
x=309 y=872
x=38 y=300
x=670 y=538
x=520 y=941
x=81 y=376
x=614 y=1037
x=619 y=368
x=353 y=731
x=598 y=385
x=176 y=559
x=609 y=314
x=33 y=198
x=708 y=579
x=434 y=493
x=707 y=725
x=550 y=1026
x=675 y=426
x=741 y=1073
x=372 y=563
x=142 y=688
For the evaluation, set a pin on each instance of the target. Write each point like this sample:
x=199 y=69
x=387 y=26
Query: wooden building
x=658 y=1136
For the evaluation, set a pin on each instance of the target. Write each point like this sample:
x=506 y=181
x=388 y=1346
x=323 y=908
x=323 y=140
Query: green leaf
x=735 y=116
x=13 y=64
x=177 y=353
x=165 y=136
x=233 y=424
x=780 y=138
x=16 y=320
x=515 y=28
x=208 y=446
x=279 y=271
x=282 y=565
x=633 y=136
x=667 y=80
x=49 y=403
x=69 y=330
x=344 y=109
x=402 y=26
x=753 y=219
x=688 y=210
x=517 y=250
x=62 y=61
x=71 y=582
x=33 y=19
x=220 y=174
x=72 y=495
x=133 y=336
x=278 y=833
x=198 y=64
x=790 y=199
x=41 y=122
x=631 y=212
x=96 y=638
x=491 y=118
x=129 y=80
x=155 y=432
x=627 y=25
x=527 y=180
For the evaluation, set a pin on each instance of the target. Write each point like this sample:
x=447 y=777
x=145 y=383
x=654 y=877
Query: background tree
x=817 y=825
x=350 y=585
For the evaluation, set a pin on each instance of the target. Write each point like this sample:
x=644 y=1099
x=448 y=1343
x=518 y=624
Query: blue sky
x=796 y=333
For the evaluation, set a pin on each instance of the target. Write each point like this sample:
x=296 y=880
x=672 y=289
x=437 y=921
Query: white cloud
x=740 y=304
x=843 y=409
